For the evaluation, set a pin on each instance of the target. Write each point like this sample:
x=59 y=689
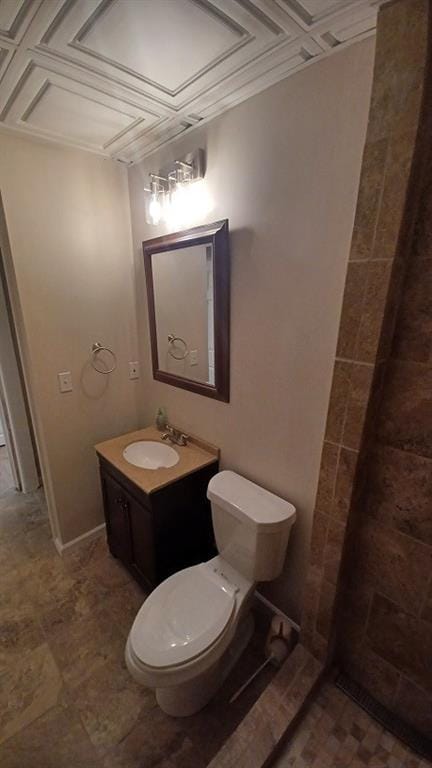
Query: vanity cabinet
x=156 y=534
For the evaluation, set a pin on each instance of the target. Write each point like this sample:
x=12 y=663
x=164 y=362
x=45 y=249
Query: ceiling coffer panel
x=169 y=50
x=122 y=77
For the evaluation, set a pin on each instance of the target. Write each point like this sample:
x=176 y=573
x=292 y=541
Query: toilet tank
x=251 y=525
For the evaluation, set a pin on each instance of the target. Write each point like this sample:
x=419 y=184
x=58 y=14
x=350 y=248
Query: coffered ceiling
x=122 y=77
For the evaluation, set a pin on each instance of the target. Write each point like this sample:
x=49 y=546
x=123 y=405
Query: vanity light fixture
x=168 y=194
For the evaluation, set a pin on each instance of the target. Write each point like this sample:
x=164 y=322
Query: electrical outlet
x=65 y=381
x=134 y=370
x=193 y=357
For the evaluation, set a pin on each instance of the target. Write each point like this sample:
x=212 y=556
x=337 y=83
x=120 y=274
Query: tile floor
x=336 y=733
x=67 y=701
x=66 y=698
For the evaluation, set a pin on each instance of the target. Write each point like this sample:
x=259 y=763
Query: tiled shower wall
x=371 y=276
x=388 y=568
x=385 y=642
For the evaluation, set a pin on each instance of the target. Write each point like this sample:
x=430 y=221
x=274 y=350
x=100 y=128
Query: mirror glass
x=184 y=311
x=188 y=292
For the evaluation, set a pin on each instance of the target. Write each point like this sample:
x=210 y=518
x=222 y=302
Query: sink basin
x=149 y=454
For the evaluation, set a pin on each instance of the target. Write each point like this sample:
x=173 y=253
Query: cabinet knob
x=122 y=503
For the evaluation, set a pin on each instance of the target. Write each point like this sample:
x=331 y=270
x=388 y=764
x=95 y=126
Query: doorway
x=8 y=478
x=19 y=466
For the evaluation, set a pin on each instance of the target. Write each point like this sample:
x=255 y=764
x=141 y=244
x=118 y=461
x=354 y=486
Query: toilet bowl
x=192 y=629
x=184 y=630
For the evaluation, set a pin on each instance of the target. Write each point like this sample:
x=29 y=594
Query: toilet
x=192 y=629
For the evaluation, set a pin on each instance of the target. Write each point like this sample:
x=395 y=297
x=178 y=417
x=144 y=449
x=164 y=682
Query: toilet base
x=188 y=698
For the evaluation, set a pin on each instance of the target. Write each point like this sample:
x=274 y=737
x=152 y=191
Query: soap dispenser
x=161 y=419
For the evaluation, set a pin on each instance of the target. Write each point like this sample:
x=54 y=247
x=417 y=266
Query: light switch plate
x=65 y=381
x=193 y=357
x=134 y=370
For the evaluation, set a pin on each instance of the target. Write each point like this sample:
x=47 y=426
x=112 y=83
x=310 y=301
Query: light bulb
x=155 y=210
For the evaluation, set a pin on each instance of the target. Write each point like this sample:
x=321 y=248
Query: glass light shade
x=155 y=210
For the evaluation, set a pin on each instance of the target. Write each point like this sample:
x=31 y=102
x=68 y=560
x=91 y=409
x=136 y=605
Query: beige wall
x=68 y=219
x=284 y=168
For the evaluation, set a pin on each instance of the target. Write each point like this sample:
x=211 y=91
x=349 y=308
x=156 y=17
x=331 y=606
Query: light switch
x=193 y=357
x=134 y=370
x=65 y=381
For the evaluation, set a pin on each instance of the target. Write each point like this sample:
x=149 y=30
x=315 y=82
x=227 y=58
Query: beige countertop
x=193 y=456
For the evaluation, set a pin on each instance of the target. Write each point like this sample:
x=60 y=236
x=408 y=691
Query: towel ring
x=96 y=348
x=171 y=340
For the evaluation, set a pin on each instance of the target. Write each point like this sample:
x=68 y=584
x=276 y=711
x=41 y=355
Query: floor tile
x=29 y=687
x=110 y=704
x=56 y=740
x=20 y=630
x=83 y=645
x=336 y=733
x=155 y=739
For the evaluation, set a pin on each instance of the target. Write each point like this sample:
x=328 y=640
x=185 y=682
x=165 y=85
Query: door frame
x=15 y=408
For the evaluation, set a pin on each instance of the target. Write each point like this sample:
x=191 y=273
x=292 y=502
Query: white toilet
x=191 y=630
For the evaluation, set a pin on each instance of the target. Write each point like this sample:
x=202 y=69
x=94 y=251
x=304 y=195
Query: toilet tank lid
x=249 y=501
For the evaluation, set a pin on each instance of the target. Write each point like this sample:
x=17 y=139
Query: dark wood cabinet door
x=117 y=516
x=143 y=547
x=155 y=535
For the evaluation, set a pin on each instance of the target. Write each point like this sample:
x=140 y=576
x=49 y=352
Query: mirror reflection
x=184 y=311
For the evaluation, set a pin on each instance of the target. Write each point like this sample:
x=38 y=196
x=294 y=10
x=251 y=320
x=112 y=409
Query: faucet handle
x=169 y=434
x=183 y=438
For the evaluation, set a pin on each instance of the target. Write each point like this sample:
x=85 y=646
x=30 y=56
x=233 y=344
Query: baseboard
x=271 y=609
x=92 y=534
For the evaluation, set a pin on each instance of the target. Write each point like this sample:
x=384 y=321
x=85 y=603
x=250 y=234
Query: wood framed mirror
x=188 y=291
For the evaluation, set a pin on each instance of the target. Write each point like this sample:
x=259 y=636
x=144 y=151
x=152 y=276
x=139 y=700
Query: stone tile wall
x=369 y=590
x=387 y=606
x=375 y=271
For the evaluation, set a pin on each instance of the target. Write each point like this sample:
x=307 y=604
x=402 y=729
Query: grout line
x=341 y=445
x=381 y=441
x=368 y=260
x=426 y=594
x=354 y=362
x=381 y=195
x=333 y=494
x=372 y=247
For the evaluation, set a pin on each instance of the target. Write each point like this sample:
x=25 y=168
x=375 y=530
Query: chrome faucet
x=175 y=436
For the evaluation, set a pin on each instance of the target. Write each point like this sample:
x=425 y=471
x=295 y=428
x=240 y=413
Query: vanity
x=158 y=520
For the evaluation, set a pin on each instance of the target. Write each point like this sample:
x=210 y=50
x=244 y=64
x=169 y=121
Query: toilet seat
x=185 y=616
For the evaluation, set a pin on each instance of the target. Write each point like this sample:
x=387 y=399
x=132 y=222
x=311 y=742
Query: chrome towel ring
x=96 y=348
x=171 y=346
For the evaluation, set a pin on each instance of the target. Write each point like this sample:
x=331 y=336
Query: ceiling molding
x=311 y=12
x=15 y=17
x=122 y=78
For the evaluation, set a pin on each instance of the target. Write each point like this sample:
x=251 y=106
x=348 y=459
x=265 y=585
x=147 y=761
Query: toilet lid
x=182 y=617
